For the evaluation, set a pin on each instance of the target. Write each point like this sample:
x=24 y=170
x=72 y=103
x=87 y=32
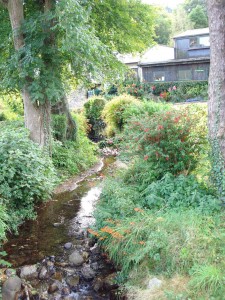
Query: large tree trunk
x=37 y=117
x=216 y=104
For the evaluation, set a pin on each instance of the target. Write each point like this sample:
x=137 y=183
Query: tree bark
x=216 y=103
x=36 y=116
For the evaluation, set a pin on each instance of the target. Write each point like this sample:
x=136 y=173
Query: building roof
x=129 y=58
x=157 y=53
x=184 y=61
x=193 y=32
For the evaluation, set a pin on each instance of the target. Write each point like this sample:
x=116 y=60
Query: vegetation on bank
x=162 y=217
x=29 y=173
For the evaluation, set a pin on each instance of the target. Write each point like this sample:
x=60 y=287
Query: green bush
x=72 y=157
x=181 y=91
x=13 y=102
x=113 y=113
x=93 y=112
x=27 y=174
x=166 y=140
x=177 y=91
x=139 y=109
x=178 y=193
x=59 y=127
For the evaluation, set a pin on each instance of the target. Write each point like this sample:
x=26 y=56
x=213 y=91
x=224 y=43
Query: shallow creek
x=60 y=229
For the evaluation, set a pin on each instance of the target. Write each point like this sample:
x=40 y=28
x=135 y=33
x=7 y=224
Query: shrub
x=71 y=157
x=13 y=102
x=59 y=127
x=145 y=107
x=177 y=91
x=113 y=113
x=10 y=107
x=181 y=91
x=27 y=174
x=178 y=193
x=166 y=140
x=93 y=112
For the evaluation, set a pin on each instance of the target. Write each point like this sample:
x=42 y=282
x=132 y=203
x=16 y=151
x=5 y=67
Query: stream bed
x=53 y=255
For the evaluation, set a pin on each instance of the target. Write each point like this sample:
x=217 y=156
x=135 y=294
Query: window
x=159 y=76
x=199 y=42
x=184 y=74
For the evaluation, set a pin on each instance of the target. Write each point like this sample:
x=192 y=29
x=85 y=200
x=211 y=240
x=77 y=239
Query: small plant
x=206 y=278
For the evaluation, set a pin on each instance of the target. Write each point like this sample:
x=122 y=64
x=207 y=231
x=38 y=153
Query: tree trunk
x=36 y=116
x=216 y=104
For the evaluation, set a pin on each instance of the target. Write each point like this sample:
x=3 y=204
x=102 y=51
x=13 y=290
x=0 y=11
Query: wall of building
x=184 y=47
x=175 y=72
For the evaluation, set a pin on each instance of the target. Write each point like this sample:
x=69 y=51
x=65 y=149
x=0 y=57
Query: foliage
x=59 y=127
x=13 y=101
x=93 y=112
x=165 y=140
x=10 y=108
x=180 y=91
x=52 y=69
x=113 y=113
x=124 y=26
x=180 y=21
x=90 y=29
x=163 y=27
x=208 y=278
x=198 y=17
x=153 y=222
x=71 y=157
x=150 y=239
x=135 y=88
x=177 y=91
x=27 y=174
x=145 y=107
x=176 y=192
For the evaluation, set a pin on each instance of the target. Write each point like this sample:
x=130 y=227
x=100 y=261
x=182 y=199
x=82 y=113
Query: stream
x=54 y=256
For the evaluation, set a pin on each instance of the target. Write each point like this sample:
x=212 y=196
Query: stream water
x=60 y=221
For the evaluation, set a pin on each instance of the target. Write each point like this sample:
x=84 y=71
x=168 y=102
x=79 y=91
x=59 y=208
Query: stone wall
x=77 y=98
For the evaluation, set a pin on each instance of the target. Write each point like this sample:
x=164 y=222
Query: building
x=188 y=60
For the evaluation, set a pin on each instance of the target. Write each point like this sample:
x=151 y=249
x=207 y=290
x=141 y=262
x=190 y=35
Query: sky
x=169 y=3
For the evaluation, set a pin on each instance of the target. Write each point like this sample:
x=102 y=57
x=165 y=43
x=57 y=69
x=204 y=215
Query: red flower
x=160 y=127
x=146 y=157
x=167 y=158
